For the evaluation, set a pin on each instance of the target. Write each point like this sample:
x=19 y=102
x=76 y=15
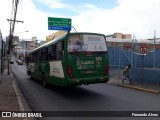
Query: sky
x=140 y=18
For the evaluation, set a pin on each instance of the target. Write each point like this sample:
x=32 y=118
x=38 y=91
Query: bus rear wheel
x=44 y=81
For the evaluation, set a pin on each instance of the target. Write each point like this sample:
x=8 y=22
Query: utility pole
x=11 y=33
x=12 y=26
x=10 y=40
x=15 y=20
x=154 y=52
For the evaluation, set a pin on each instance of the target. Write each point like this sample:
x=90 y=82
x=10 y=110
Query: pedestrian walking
x=126 y=73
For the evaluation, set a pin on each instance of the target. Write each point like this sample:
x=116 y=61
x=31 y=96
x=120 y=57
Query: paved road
x=96 y=97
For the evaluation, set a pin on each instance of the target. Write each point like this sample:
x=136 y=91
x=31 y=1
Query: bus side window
x=44 y=54
x=26 y=59
x=54 y=52
x=50 y=53
x=32 y=57
x=36 y=57
x=60 y=50
x=39 y=55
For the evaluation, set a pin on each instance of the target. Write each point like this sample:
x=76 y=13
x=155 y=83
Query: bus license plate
x=88 y=71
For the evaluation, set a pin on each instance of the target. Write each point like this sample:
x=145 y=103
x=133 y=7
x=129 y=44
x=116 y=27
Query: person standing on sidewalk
x=126 y=73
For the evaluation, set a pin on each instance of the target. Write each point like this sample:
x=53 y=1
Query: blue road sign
x=59 y=28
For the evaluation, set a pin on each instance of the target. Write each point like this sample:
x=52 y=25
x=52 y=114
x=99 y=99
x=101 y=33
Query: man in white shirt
x=126 y=73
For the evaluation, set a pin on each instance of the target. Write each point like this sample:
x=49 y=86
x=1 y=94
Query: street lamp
x=15 y=42
x=18 y=37
x=23 y=48
x=21 y=32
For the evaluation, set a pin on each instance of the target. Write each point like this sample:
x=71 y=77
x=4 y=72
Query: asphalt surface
x=98 y=97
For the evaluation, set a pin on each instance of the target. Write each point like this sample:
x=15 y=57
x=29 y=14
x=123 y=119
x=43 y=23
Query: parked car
x=19 y=62
x=11 y=61
x=16 y=60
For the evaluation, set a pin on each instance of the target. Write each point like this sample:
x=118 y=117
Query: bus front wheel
x=44 y=81
x=29 y=73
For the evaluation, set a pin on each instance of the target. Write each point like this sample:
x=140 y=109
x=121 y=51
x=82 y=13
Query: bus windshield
x=86 y=43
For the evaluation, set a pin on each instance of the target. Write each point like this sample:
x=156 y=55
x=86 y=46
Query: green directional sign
x=59 y=23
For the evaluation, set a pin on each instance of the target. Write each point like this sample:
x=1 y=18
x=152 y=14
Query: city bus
x=69 y=60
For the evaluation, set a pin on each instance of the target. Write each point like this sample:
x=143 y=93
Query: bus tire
x=44 y=81
x=29 y=73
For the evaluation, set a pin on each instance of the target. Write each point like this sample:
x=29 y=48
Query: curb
x=142 y=89
x=18 y=98
x=21 y=107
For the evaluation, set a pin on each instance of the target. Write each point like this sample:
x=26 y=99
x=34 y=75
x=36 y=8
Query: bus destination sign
x=59 y=23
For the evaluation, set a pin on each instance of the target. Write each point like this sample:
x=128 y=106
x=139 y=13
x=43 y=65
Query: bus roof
x=87 y=33
x=48 y=43
x=61 y=37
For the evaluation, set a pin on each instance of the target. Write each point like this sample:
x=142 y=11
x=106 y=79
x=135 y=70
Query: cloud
x=54 y=4
x=139 y=17
x=35 y=21
x=5 y=13
x=130 y=16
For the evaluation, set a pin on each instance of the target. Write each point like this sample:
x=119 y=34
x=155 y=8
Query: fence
x=145 y=67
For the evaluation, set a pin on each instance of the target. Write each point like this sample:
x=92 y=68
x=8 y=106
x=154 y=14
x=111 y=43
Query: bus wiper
x=100 y=53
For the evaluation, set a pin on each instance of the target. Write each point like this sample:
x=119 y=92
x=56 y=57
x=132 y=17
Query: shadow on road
x=71 y=91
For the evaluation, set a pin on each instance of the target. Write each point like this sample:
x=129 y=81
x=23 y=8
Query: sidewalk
x=8 y=97
x=152 y=88
x=11 y=98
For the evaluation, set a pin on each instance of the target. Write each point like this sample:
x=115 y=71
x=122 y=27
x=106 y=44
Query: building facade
x=2 y=53
x=25 y=46
x=126 y=42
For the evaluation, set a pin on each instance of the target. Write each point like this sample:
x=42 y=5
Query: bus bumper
x=87 y=81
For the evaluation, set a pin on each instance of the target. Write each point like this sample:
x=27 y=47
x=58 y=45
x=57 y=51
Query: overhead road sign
x=59 y=23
